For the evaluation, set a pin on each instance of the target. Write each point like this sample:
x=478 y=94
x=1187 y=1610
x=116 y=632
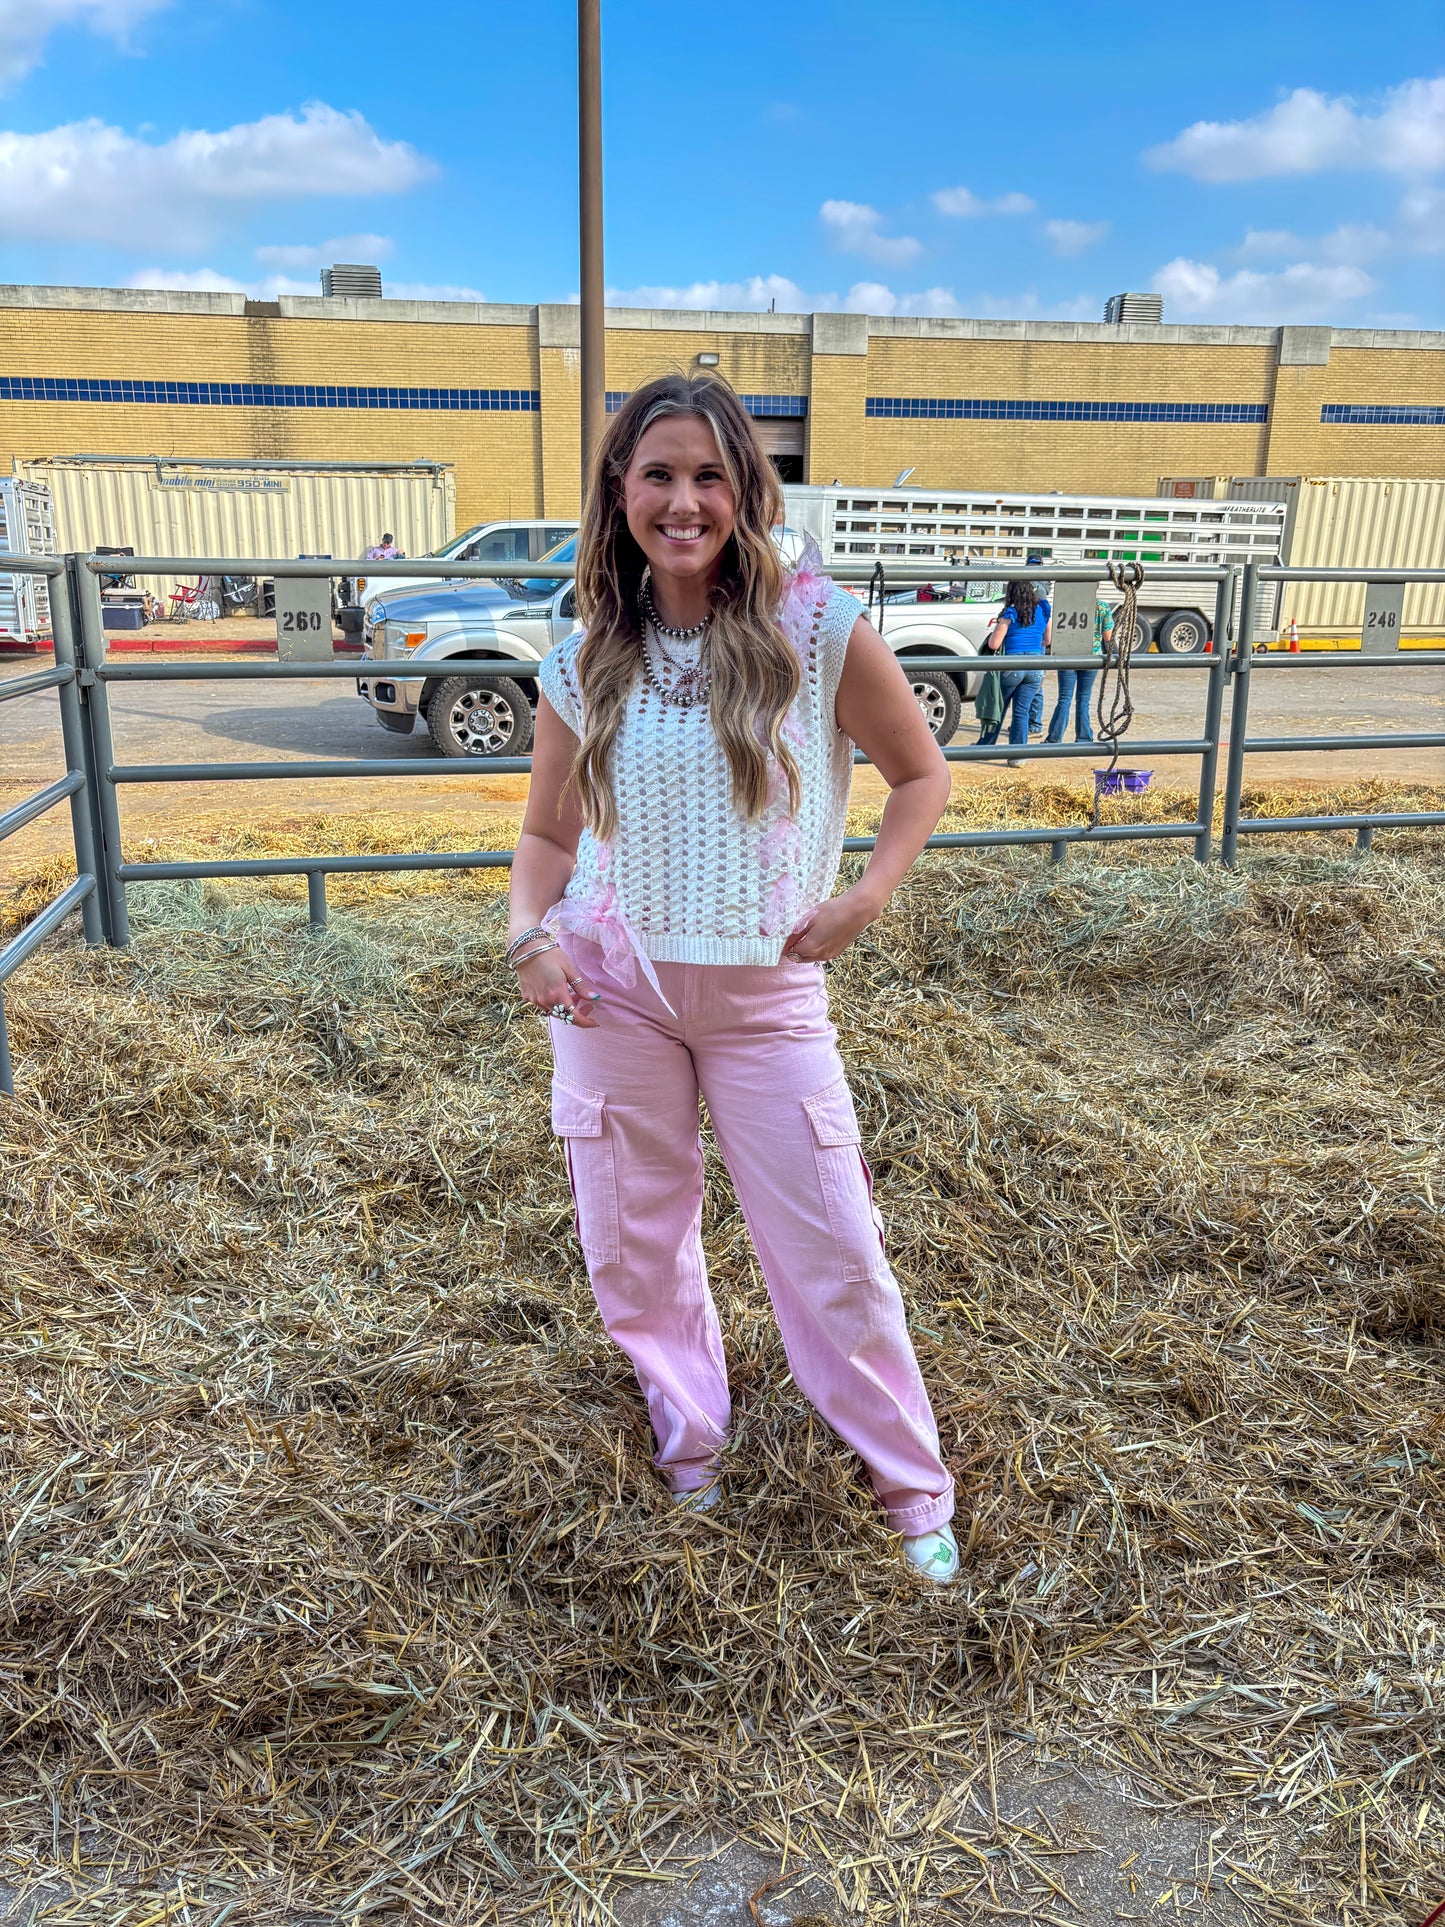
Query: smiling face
x=679 y=502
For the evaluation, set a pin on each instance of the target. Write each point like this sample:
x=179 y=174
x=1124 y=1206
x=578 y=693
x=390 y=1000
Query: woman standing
x=1076 y=686
x=671 y=912
x=1023 y=627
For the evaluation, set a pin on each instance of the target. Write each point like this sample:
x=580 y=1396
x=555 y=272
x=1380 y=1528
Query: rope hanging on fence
x=1116 y=704
x=876 y=586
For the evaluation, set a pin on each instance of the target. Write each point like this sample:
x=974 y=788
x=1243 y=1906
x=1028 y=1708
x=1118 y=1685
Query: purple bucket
x=1113 y=782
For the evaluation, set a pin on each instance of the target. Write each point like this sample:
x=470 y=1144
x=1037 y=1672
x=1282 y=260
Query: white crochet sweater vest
x=687 y=878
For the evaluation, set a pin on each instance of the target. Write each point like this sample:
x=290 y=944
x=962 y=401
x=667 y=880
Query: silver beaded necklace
x=690 y=682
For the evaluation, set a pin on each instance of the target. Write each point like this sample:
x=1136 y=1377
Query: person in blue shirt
x=1023 y=627
x=1076 y=685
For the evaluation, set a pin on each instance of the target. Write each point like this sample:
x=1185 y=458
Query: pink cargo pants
x=758 y=1044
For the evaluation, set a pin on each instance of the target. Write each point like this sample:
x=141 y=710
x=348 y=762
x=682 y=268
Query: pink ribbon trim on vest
x=600 y=919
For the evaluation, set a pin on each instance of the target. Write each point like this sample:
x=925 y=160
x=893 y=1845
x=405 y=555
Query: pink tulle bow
x=780 y=914
x=780 y=843
x=601 y=921
x=802 y=587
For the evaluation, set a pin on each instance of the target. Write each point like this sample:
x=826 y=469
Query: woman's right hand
x=552 y=980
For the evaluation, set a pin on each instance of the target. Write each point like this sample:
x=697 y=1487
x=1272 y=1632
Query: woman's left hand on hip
x=826 y=932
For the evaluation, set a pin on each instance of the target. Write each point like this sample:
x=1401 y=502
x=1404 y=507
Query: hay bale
x=338 y=1579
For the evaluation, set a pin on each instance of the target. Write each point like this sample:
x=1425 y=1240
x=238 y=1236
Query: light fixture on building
x=901 y=477
x=708 y=361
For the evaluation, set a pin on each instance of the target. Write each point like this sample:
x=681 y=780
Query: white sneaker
x=934 y=1554
x=701 y=1498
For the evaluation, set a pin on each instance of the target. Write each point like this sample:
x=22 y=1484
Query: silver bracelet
x=540 y=951
x=526 y=937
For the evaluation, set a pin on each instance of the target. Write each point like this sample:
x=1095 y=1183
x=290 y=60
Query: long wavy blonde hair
x=755 y=670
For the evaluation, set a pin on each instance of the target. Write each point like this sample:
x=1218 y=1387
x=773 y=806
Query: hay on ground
x=338 y=1583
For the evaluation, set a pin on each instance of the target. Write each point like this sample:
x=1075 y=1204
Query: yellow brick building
x=1082 y=407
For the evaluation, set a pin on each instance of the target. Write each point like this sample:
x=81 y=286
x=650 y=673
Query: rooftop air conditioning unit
x=1134 y=307
x=352 y=282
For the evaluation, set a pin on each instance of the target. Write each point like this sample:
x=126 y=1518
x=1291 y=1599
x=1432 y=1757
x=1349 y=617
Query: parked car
x=521 y=618
x=517 y=618
x=519 y=542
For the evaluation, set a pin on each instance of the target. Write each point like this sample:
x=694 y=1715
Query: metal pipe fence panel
x=1241 y=744
x=119 y=875
x=37 y=805
x=14 y=687
x=78 y=787
x=84 y=671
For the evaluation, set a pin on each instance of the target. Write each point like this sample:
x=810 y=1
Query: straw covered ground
x=338 y=1585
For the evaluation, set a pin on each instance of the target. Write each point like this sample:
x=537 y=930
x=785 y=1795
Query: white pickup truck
x=523 y=618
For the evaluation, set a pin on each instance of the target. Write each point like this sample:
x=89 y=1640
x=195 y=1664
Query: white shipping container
x=205 y=508
x=1354 y=522
x=27 y=527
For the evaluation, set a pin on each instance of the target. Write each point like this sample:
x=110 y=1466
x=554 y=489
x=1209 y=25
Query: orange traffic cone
x=1293 y=636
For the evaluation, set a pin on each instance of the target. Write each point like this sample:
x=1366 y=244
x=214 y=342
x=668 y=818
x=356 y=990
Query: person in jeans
x=1024 y=628
x=1076 y=686
x=672 y=908
x=1036 y=700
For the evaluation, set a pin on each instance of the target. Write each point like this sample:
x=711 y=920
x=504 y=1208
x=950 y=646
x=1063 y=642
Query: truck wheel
x=936 y=694
x=1143 y=632
x=469 y=718
x=1183 y=632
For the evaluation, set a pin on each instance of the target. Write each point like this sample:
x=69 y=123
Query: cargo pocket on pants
x=847 y=1183
x=579 y=1118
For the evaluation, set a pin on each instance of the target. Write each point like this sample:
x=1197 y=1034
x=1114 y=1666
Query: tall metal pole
x=589 y=202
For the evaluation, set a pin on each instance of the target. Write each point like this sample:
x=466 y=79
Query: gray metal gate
x=83 y=679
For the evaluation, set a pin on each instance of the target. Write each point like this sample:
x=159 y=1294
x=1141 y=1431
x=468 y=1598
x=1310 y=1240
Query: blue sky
x=1283 y=162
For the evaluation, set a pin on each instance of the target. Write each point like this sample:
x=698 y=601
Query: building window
x=1392 y=415
x=263 y=394
x=949 y=408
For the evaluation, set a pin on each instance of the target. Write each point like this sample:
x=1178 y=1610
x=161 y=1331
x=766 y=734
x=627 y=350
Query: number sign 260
x=299 y=621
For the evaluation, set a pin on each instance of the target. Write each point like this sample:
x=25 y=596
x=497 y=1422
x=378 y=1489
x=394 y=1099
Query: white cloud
x=965 y=205
x=856 y=230
x=1304 y=291
x=874 y=297
x=863 y=297
x=430 y=291
x=1422 y=220
x=90 y=182
x=343 y=247
x=1353 y=245
x=1072 y=237
x=1308 y=131
x=26 y=25
x=272 y=286
x=758 y=291
x=189 y=281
